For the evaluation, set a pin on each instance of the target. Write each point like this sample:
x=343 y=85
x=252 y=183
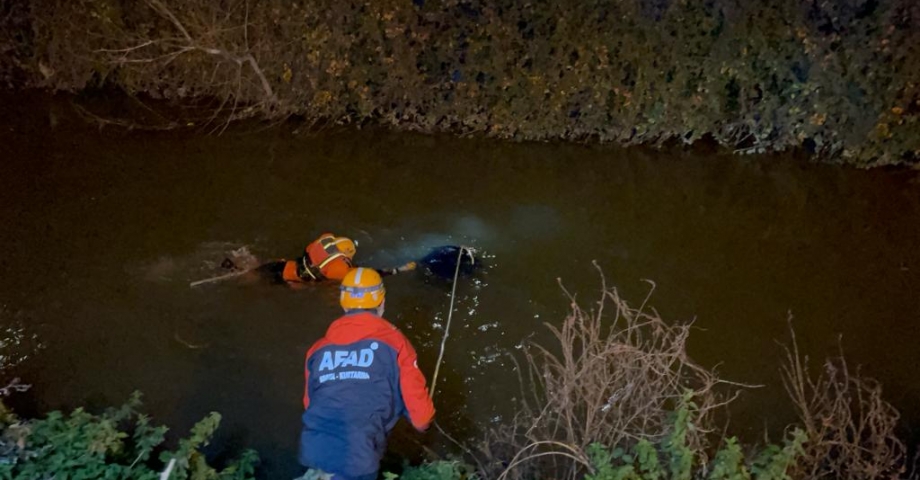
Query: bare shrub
x=619 y=374
x=221 y=43
x=617 y=379
x=204 y=55
x=850 y=427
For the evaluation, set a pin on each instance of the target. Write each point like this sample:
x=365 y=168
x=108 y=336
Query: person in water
x=442 y=261
x=360 y=378
x=327 y=258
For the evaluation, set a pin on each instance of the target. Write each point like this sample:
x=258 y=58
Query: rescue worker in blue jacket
x=360 y=378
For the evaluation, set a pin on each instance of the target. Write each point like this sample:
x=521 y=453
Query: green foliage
x=729 y=463
x=440 y=470
x=642 y=461
x=773 y=462
x=647 y=456
x=675 y=448
x=118 y=444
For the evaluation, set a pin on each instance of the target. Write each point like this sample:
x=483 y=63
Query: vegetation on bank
x=616 y=399
x=837 y=78
x=670 y=458
x=118 y=444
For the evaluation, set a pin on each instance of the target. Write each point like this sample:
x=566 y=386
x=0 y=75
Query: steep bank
x=834 y=78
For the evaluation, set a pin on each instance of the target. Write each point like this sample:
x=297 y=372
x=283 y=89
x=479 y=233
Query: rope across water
x=450 y=313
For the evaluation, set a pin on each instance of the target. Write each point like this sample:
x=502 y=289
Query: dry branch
x=850 y=427
x=220 y=52
x=617 y=376
x=14 y=385
x=151 y=55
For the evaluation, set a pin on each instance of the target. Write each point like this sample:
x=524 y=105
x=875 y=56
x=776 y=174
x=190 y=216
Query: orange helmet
x=362 y=288
x=346 y=246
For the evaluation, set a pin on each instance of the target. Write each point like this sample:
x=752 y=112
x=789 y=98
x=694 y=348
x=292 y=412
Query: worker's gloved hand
x=316 y=474
x=393 y=271
x=407 y=267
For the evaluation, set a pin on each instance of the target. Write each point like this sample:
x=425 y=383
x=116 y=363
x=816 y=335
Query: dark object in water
x=272 y=272
x=442 y=262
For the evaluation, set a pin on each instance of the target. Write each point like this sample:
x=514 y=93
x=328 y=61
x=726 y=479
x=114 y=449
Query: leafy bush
x=118 y=444
x=669 y=458
x=439 y=470
x=836 y=77
x=674 y=459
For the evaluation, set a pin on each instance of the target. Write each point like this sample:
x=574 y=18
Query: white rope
x=168 y=471
x=450 y=313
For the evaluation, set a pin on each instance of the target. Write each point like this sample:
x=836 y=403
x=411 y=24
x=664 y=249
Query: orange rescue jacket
x=322 y=260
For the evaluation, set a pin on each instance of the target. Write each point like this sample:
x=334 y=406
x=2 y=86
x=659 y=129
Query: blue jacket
x=360 y=378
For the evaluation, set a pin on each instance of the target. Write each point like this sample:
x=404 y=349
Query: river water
x=103 y=231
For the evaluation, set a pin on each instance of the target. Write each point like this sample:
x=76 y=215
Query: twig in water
x=193 y=346
x=14 y=386
x=219 y=278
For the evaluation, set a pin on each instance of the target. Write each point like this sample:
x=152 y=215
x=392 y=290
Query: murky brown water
x=103 y=231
